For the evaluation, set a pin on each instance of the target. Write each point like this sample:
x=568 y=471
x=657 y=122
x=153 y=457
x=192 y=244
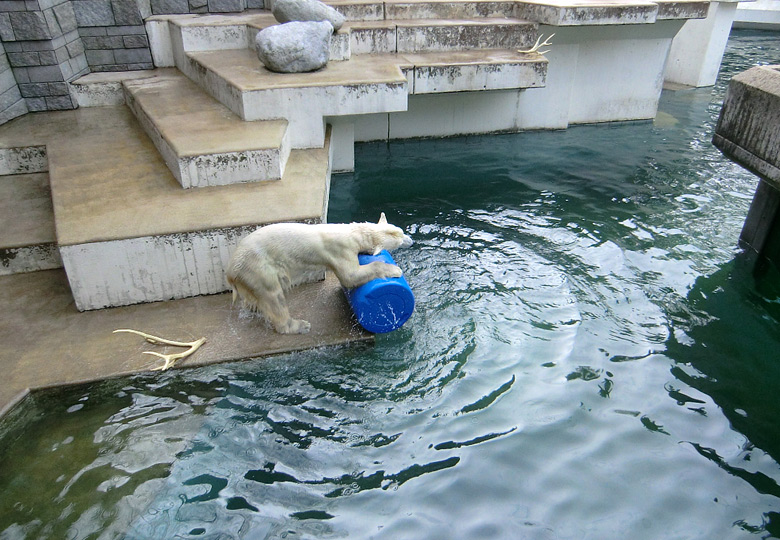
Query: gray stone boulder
x=306 y=10
x=295 y=47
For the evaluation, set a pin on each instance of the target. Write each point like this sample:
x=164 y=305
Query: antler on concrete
x=170 y=359
x=538 y=45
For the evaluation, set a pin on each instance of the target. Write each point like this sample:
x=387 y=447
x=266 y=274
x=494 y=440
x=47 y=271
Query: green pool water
x=590 y=358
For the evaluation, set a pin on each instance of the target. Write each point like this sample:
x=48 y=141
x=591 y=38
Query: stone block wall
x=45 y=44
x=12 y=104
x=43 y=47
x=113 y=34
x=166 y=7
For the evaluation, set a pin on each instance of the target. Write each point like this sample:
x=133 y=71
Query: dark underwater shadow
x=729 y=332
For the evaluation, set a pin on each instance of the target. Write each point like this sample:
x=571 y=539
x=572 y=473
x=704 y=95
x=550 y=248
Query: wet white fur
x=274 y=258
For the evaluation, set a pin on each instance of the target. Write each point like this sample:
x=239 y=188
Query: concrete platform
x=48 y=342
x=108 y=181
x=237 y=79
x=202 y=141
x=127 y=231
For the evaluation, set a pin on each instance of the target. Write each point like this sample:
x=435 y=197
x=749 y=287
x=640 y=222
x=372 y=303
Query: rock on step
x=306 y=10
x=201 y=141
x=295 y=47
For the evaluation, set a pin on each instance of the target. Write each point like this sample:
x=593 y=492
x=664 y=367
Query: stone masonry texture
x=45 y=44
x=12 y=104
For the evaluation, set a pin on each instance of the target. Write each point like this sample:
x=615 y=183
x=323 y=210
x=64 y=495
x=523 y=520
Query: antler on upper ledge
x=538 y=45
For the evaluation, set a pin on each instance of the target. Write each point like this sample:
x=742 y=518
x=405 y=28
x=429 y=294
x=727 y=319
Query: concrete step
x=372 y=10
x=432 y=35
x=128 y=233
x=236 y=78
x=364 y=84
x=27 y=237
x=589 y=13
x=173 y=35
x=201 y=141
x=428 y=27
x=359 y=10
x=469 y=71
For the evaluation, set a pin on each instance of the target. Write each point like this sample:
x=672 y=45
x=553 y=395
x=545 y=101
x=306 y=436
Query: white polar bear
x=274 y=258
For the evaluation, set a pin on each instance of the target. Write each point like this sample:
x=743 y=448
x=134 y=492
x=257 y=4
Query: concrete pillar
x=760 y=14
x=694 y=59
x=748 y=132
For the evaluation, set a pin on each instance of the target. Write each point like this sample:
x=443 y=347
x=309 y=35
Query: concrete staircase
x=201 y=141
x=160 y=173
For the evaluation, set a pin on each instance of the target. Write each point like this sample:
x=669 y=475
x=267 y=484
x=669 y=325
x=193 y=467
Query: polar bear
x=274 y=258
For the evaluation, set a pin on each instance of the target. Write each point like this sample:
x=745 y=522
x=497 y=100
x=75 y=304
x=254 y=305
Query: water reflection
x=737 y=365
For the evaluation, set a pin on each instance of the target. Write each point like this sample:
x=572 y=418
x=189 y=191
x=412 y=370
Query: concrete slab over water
x=47 y=342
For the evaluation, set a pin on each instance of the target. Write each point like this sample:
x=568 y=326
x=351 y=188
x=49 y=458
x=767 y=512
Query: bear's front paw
x=295 y=326
x=393 y=272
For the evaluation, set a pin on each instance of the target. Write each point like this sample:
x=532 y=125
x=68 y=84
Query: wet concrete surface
x=47 y=342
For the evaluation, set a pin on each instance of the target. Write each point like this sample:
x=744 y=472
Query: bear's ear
x=382 y=219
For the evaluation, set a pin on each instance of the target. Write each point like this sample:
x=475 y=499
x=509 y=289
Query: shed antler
x=170 y=359
x=538 y=45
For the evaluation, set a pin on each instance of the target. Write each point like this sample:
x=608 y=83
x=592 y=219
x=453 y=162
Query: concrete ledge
x=761 y=14
x=104 y=89
x=371 y=37
x=360 y=85
x=26 y=216
x=23 y=159
x=439 y=34
x=47 y=342
x=447 y=9
x=29 y=259
x=468 y=71
x=682 y=9
x=106 y=191
x=748 y=129
x=748 y=132
x=463 y=34
x=748 y=159
x=359 y=10
x=150 y=269
x=118 y=204
x=586 y=13
x=109 y=184
x=201 y=141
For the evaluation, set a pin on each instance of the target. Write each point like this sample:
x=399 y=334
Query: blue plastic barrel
x=381 y=305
